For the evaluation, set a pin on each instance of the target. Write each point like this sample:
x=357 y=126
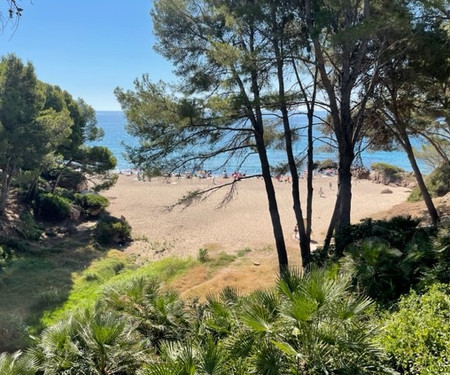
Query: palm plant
x=190 y=357
x=17 y=364
x=157 y=313
x=377 y=269
x=324 y=330
x=90 y=342
x=312 y=324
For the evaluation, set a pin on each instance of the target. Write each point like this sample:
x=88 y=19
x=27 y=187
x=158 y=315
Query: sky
x=87 y=47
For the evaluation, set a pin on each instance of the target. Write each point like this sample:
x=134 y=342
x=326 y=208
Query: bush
x=325 y=164
x=28 y=228
x=203 y=255
x=387 y=169
x=110 y=230
x=52 y=207
x=437 y=183
x=5 y=257
x=92 y=204
x=440 y=272
x=389 y=257
x=417 y=336
x=389 y=173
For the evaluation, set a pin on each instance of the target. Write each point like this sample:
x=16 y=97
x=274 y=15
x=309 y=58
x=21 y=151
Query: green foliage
x=52 y=207
x=158 y=314
x=5 y=256
x=417 y=336
x=437 y=183
x=29 y=229
x=222 y=259
x=110 y=273
x=110 y=230
x=387 y=169
x=398 y=231
x=13 y=331
x=203 y=255
x=389 y=257
x=440 y=270
x=243 y=252
x=90 y=342
x=325 y=164
x=48 y=299
x=92 y=204
x=17 y=364
x=139 y=325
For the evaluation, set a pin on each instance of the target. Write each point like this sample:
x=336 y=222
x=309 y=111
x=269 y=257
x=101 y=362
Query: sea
x=114 y=125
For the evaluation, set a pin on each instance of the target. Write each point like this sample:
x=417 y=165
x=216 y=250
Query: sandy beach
x=244 y=223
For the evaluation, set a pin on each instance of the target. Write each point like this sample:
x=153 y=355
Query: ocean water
x=113 y=124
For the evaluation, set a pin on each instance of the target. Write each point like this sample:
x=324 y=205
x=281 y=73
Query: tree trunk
x=273 y=205
x=305 y=250
x=420 y=181
x=4 y=192
x=5 y=180
x=59 y=176
x=344 y=200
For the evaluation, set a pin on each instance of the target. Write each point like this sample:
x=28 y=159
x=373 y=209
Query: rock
x=386 y=191
x=256 y=263
x=74 y=213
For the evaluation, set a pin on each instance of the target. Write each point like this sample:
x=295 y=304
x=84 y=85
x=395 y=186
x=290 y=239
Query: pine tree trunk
x=420 y=181
x=273 y=205
x=4 y=191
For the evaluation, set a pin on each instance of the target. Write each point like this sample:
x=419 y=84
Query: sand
x=244 y=223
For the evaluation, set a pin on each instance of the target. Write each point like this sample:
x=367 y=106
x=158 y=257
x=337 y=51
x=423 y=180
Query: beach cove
x=242 y=224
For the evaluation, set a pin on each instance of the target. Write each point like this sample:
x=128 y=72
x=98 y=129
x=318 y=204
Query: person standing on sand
x=321 y=192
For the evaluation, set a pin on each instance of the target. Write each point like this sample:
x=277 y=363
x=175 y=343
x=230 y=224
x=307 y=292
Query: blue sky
x=87 y=47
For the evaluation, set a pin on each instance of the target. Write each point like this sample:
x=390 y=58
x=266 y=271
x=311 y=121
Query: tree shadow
x=38 y=277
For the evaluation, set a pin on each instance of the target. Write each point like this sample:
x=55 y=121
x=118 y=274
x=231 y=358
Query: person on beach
x=321 y=192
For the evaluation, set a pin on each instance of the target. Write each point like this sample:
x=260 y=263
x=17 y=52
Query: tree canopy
x=42 y=128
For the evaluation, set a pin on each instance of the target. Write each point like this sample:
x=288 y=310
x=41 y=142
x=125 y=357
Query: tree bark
x=305 y=250
x=5 y=181
x=420 y=181
x=273 y=205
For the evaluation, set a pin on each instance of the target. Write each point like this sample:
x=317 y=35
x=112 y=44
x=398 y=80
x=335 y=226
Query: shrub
x=387 y=169
x=111 y=230
x=92 y=204
x=419 y=343
x=5 y=256
x=326 y=164
x=437 y=183
x=28 y=228
x=53 y=207
x=13 y=332
x=440 y=272
x=203 y=255
x=389 y=257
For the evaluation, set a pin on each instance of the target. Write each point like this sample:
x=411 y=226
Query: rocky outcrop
x=405 y=179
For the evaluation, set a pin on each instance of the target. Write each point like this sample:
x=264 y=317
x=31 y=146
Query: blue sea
x=113 y=124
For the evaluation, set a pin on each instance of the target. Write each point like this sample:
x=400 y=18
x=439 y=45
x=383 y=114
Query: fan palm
x=158 y=314
x=90 y=342
x=17 y=364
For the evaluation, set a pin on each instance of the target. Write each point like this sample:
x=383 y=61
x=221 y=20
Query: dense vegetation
x=356 y=314
x=381 y=71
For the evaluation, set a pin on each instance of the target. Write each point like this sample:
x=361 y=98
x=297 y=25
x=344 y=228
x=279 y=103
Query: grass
x=43 y=281
x=112 y=270
x=37 y=277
